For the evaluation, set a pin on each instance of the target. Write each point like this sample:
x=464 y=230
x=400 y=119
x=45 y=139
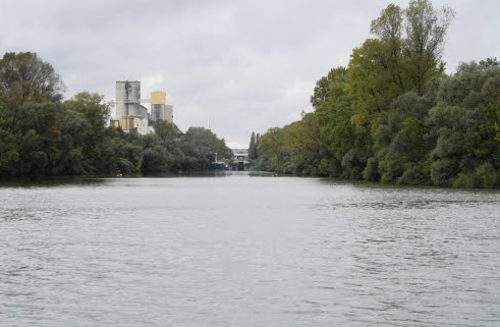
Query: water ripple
x=241 y=251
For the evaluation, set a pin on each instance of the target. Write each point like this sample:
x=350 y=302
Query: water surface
x=245 y=250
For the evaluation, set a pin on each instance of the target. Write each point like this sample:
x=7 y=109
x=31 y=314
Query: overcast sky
x=240 y=66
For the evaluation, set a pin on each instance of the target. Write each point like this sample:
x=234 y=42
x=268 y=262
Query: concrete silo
x=128 y=98
x=159 y=108
x=132 y=117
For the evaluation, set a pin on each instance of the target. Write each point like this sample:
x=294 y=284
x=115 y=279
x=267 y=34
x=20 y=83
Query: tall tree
x=257 y=140
x=465 y=126
x=26 y=78
x=252 y=148
x=94 y=112
x=405 y=55
x=165 y=130
x=425 y=29
x=94 y=108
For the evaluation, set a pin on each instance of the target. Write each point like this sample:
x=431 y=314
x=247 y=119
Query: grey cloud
x=242 y=65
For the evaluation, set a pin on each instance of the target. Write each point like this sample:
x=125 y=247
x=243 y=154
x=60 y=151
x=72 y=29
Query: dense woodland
x=394 y=115
x=43 y=135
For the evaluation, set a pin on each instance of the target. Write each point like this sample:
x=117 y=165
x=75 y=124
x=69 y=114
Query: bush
x=392 y=166
x=371 y=171
x=125 y=166
x=353 y=164
x=329 y=167
x=415 y=175
x=464 y=180
x=155 y=160
x=487 y=176
x=442 y=170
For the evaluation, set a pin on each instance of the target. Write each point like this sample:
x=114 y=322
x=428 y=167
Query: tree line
x=394 y=115
x=42 y=135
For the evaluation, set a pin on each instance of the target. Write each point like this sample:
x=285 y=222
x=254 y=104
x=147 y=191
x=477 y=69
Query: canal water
x=246 y=250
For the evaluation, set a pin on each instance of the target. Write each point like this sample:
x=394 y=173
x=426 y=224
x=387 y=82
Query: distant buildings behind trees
x=131 y=116
x=41 y=134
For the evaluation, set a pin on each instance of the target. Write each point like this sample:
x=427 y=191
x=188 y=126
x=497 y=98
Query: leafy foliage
x=40 y=135
x=394 y=116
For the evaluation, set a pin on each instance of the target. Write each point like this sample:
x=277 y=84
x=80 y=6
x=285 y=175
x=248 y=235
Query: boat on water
x=217 y=165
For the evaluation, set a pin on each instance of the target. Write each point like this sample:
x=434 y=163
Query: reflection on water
x=51 y=182
x=246 y=250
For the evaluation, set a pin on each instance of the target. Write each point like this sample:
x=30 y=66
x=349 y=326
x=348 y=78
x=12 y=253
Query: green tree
x=167 y=132
x=405 y=56
x=252 y=148
x=90 y=114
x=154 y=157
x=198 y=147
x=465 y=124
x=26 y=78
x=271 y=150
x=401 y=145
x=426 y=29
x=94 y=109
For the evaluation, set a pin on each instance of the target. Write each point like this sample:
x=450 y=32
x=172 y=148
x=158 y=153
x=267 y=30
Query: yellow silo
x=158 y=97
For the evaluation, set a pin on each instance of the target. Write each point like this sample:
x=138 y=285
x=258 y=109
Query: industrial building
x=160 y=110
x=132 y=116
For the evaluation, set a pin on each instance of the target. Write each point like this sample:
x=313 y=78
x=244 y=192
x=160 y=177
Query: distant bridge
x=240 y=161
